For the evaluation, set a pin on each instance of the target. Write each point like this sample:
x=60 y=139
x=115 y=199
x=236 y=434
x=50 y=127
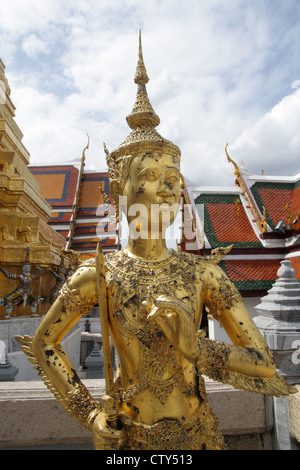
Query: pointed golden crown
x=142 y=120
x=143 y=138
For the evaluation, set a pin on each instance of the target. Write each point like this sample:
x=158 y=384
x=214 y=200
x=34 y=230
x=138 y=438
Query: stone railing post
x=8 y=372
x=279 y=321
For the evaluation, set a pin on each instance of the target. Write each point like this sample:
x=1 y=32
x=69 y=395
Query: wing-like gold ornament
x=79 y=404
x=214 y=367
x=218 y=254
x=274 y=386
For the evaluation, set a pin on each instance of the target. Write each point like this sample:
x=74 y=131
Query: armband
x=72 y=300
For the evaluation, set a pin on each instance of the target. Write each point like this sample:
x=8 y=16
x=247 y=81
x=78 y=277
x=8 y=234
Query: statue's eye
x=173 y=179
x=151 y=176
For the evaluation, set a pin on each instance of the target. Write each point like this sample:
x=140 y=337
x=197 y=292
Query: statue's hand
x=104 y=436
x=176 y=320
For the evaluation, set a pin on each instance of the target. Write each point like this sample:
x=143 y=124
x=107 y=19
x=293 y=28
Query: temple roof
x=58 y=183
x=251 y=275
x=275 y=196
x=259 y=217
x=225 y=221
x=78 y=211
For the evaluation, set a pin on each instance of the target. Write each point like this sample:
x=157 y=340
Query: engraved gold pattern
x=200 y=432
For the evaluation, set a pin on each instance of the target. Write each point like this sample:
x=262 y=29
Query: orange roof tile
x=58 y=186
x=225 y=221
x=295 y=202
x=275 y=197
x=231 y=223
x=253 y=274
x=296 y=265
x=58 y=183
x=275 y=201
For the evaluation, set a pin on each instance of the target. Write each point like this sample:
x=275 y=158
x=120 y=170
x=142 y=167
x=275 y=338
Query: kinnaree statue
x=151 y=300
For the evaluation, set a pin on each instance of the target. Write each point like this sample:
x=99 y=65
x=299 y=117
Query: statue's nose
x=164 y=189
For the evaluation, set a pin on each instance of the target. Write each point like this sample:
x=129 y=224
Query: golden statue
x=151 y=300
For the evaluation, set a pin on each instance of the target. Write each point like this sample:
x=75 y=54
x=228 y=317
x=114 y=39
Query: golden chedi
x=27 y=242
x=151 y=300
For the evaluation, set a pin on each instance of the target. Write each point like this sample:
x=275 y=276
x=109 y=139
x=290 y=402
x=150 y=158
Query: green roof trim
x=218 y=199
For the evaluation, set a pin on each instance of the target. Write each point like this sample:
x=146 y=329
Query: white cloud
x=33 y=45
x=296 y=84
x=217 y=71
x=23 y=16
x=274 y=140
x=53 y=129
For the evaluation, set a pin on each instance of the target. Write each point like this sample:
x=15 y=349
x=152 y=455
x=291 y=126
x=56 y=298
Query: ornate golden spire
x=142 y=114
x=142 y=120
x=141 y=77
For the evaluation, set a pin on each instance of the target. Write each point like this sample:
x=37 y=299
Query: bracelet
x=81 y=406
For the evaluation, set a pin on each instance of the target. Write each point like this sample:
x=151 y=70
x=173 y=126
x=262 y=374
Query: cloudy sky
x=220 y=71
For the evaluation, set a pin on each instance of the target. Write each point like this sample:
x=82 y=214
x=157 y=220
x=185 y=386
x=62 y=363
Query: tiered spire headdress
x=144 y=137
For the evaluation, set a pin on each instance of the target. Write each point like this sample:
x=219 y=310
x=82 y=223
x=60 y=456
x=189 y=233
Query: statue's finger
x=154 y=313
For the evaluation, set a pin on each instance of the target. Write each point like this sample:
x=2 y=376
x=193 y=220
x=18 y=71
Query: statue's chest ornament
x=134 y=281
x=145 y=277
x=131 y=283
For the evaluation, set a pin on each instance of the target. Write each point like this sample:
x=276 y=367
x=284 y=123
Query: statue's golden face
x=154 y=183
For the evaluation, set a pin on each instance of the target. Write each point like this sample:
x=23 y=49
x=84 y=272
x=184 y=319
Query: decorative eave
x=77 y=197
x=78 y=210
x=282 y=229
x=259 y=219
